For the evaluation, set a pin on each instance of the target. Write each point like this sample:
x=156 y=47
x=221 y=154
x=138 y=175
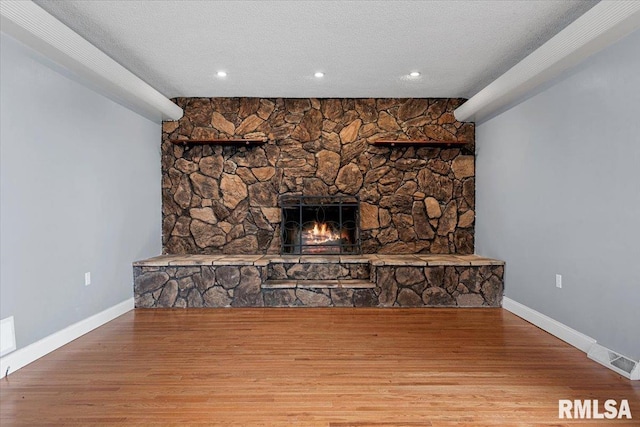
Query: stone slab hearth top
x=417 y=260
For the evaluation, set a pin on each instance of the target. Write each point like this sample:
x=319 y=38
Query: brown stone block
x=248 y=125
x=180 y=245
x=226 y=105
x=194 y=299
x=352 y=150
x=206 y=235
x=466 y=219
x=169 y=294
x=204 y=186
x=216 y=296
x=387 y=287
x=328 y=166
x=412 y=108
x=437 y=186
x=463 y=166
x=186 y=166
x=368 y=130
x=349 y=133
x=314 y=187
x=233 y=190
x=421 y=222
x=463 y=240
x=449 y=154
x=374 y=175
x=310 y=298
x=437 y=297
x=349 y=179
x=387 y=236
x=369 y=216
x=417 y=122
x=218 y=121
x=397 y=203
x=243 y=245
x=169 y=126
x=248 y=106
x=331 y=108
x=439 y=166
x=279 y=297
x=149 y=282
x=181 y=227
x=310 y=127
x=265 y=109
x=408 y=298
x=409 y=276
x=203 y=214
x=297 y=105
x=405 y=164
x=366 y=109
x=182 y=195
x=199 y=111
x=408 y=188
x=469 y=300
x=262 y=194
x=448 y=220
x=387 y=122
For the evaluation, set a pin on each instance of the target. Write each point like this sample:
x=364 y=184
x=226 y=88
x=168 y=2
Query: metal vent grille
x=617 y=362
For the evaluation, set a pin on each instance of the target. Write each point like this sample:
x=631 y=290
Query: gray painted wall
x=558 y=191
x=80 y=191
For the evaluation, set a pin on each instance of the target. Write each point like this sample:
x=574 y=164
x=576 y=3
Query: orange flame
x=321 y=233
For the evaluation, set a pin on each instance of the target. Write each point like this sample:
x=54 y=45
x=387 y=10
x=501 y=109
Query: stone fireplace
x=327 y=225
x=321 y=203
x=222 y=199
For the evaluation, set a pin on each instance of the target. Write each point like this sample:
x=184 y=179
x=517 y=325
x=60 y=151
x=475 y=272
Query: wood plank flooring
x=316 y=367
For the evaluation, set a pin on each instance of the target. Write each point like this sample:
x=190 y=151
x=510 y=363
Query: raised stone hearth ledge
x=419 y=260
x=419 y=280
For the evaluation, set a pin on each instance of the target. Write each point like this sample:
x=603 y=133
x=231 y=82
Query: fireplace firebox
x=320 y=225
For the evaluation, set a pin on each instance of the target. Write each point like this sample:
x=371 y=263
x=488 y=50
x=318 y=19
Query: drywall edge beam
x=33 y=26
x=602 y=25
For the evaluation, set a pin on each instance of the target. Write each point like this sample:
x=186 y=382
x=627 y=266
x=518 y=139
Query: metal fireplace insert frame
x=299 y=206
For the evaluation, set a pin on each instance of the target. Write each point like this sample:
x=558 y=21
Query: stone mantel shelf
x=425 y=143
x=241 y=142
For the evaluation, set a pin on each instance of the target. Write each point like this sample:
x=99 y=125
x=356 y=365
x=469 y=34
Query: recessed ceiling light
x=222 y=74
x=414 y=74
x=319 y=74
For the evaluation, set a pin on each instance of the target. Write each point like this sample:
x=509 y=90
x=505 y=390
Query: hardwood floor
x=320 y=367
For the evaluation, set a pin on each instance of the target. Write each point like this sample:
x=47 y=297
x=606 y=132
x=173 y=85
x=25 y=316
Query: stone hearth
x=318 y=281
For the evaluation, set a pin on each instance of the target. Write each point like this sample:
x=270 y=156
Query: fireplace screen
x=320 y=225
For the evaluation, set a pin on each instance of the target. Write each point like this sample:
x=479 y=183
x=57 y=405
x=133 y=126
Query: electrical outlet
x=559 y=281
x=7 y=336
x=87 y=278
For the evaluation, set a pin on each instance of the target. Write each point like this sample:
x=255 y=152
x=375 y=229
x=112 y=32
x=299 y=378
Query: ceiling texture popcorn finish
x=273 y=48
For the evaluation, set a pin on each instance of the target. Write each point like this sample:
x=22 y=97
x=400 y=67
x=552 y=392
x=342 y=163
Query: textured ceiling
x=273 y=48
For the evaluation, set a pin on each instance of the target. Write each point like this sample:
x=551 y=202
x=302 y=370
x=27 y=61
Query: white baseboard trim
x=555 y=328
x=23 y=356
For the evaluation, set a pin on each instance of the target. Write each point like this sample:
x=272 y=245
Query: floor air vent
x=617 y=362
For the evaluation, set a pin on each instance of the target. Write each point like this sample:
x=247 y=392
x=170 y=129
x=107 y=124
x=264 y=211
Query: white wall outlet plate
x=7 y=336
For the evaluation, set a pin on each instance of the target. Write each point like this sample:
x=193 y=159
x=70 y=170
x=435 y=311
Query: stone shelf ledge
x=418 y=260
x=318 y=284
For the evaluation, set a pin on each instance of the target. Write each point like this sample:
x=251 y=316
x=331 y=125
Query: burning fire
x=320 y=233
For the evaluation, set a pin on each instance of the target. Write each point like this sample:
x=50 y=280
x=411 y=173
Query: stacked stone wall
x=224 y=199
